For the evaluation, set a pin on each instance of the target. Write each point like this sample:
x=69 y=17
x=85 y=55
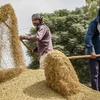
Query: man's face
x=35 y=22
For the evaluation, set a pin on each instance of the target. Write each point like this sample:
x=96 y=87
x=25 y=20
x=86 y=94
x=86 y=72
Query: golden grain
x=60 y=74
x=31 y=85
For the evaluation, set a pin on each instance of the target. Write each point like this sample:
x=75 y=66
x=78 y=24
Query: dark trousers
x=95 y=73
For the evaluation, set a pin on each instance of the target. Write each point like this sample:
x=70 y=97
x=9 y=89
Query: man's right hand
x=93 y=55
x=32 y=50
x=21 y=37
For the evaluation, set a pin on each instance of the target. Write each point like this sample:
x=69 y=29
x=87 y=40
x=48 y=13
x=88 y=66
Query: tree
x=91 y=8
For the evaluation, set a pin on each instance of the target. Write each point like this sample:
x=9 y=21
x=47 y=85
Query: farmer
x=42 y=36
x=92 y=41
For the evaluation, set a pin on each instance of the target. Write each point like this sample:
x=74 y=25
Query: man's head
x=37 y=19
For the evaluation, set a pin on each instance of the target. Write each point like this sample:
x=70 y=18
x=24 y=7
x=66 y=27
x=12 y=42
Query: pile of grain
x=60 y=74
x=7 y=12
x=31 y=85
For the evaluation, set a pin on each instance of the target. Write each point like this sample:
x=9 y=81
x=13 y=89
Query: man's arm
x=88 y=39
x=89 y=35
x=39 y=35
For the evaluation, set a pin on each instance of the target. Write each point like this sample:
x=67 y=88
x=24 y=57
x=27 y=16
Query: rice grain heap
x=31 y=85
x=60 y=74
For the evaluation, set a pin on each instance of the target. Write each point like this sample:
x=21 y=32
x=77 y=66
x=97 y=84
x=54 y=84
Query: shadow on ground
x=41 y=90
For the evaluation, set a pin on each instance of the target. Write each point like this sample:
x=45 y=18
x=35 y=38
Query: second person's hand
x=93 y=55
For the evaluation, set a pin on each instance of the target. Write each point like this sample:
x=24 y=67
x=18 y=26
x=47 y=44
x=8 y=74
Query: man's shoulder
x=43 y=26
x=94 y=20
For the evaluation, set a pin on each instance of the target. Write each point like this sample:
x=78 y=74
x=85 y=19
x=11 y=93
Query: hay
x=60 y=74
x=7 y=13
x=10 y=73
x=31 y=85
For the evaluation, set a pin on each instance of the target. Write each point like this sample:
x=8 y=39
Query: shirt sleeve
x=39 y=35
x=89 y=35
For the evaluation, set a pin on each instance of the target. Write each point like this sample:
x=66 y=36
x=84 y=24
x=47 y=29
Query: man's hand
x=21 y=37
x=32 y=50
x=93 y=55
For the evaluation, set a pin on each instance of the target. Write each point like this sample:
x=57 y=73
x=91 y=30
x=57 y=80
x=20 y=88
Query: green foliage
x=91 y=8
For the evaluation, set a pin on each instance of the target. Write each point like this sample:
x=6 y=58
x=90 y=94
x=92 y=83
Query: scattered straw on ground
x=31 y=85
